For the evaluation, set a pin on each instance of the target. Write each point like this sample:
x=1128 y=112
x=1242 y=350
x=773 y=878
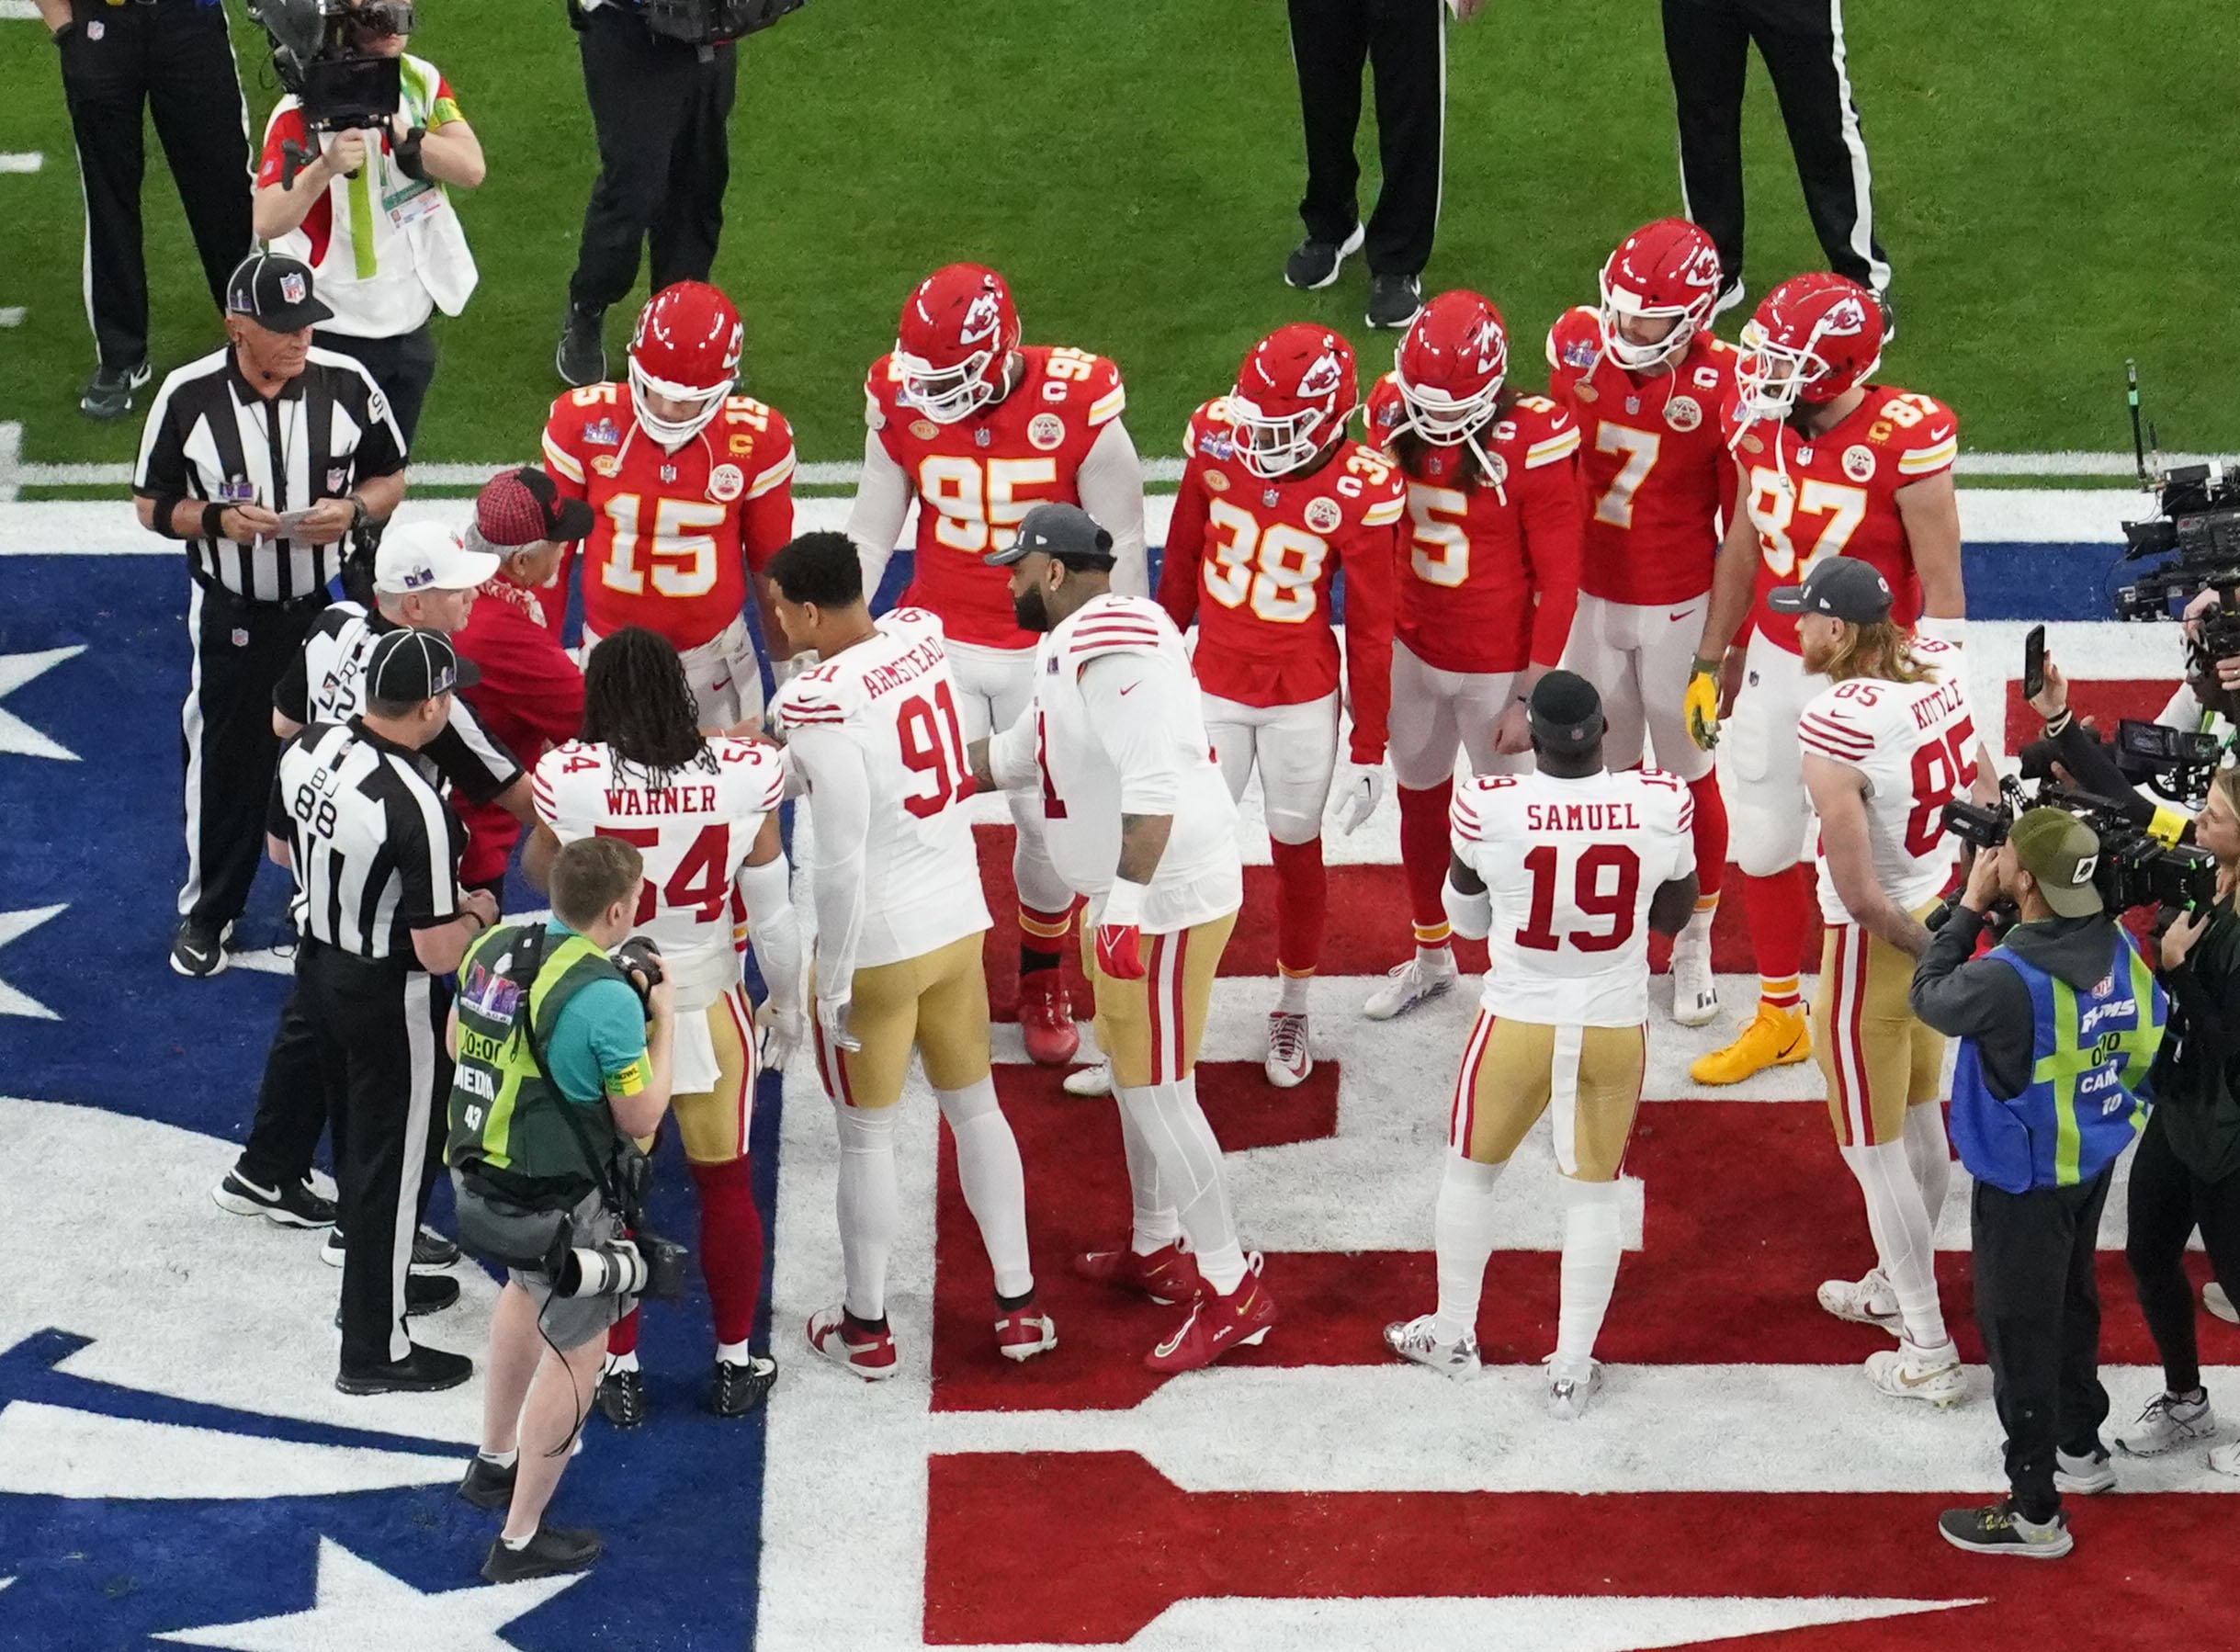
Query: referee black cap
x=1565 y=714
x=409 y=666
x=275 y=291
x=1065 y=532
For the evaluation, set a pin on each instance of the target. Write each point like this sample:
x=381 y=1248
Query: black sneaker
x=197 y=948
x=553 y=1550
x=580 y=358
x=739 y=1389
x=488 y=1485
x=1314 y=265
x=108 y=393
x=1393 y=301
x=1890 y=319
x=621 y=1398
x=1730 y=295
x=423 y=1295
x=422 y=1371
x=429 y=1250
x=291 y=1206
x=1998 y=1529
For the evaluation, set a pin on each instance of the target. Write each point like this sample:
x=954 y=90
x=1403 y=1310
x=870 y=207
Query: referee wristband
x=213 y=520
x=166 y=508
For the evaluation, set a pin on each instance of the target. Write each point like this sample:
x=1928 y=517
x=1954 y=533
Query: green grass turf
x=2054 y=183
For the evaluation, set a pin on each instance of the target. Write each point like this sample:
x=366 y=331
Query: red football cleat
x=1045 y=1019
x=1217 y=1324
x=1021 y=1333
x=1167 y=1275
x=869 y=1354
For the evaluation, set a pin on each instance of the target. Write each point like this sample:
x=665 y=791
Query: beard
x=1816 y=659
x=1032 y=613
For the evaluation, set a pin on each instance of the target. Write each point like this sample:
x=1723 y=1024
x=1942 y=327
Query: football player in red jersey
x=1827 y=464
x=977 y=427
x=1646 y=380
x=691 y=487
x=1489 y=576
x=1274 y=498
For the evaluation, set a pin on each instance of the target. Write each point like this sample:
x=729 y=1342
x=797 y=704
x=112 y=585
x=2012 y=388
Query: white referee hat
x=426 y=556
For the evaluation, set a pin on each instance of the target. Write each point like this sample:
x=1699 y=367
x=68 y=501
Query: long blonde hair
x=1882 y=650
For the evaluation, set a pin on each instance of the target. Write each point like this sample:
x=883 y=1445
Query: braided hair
x=639 y=703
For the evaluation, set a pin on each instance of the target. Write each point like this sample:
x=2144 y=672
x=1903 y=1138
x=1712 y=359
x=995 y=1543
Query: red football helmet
x=1295 y=392
x=1450 y=367
x=685 y=349
x=957 y=335
x=1664 y=271
x=1813 y=337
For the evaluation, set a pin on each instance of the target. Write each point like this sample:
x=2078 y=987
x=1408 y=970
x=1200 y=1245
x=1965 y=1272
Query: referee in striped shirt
x=262 y=457
x=374 y=852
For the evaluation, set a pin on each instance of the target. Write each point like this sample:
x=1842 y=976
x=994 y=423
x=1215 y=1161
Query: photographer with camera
x=564 y=1056
x=364 y=203
x=2186 y=1172
x=2058 y=1024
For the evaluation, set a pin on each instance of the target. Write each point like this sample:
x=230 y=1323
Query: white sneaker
x=2225 y=1459
x=2168 y=1422
x=1409 y=984
x=1569 y=1392
x=1695 y=990
x=1289 y=1060
x=1415 y=1339
x=1090 y=1080
x=2082 y=1477
x=2218 y=1302
x=1932 y=1374
x=1868 y=1301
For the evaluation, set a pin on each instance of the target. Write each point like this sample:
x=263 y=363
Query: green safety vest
x=505 y=1117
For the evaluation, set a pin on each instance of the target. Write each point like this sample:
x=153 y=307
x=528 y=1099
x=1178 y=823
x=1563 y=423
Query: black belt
x=390 y=968
x=228 y=596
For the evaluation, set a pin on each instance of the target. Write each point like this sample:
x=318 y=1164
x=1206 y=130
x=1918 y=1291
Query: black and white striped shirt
x=210 y=435
x=373 y=847
x=327 y=683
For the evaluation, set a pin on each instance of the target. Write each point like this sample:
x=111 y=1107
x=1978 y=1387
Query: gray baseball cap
x=1064 y=531
x=1840 y=587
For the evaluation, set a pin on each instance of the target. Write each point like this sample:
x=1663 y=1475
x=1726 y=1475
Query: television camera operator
x=564 y=1054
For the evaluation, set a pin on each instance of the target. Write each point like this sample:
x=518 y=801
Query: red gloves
x=1120 y=932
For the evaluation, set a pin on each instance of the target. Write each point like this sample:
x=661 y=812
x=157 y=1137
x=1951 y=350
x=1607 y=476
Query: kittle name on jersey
x=1582 y=817
x=1932 y=709
x=903 y=668
x=662 y=801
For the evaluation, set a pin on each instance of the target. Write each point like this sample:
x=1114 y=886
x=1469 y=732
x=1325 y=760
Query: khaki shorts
x=1151 y=1027
x=937 y=1003
x=713 y=1123
x=1878 y=1058
x=1513 y=1072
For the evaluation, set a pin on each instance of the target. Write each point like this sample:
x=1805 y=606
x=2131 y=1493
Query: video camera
x=2134 y=868
x=319 y=51
x=2194 y=541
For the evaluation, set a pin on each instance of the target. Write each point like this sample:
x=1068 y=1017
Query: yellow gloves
x=1701 y=705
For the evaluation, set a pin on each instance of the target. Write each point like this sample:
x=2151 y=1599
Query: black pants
x=403 y=367
x=2038 y=1307
x=291 y=1103
x=171 y=57
x=1707 y=45
x=241 y=648
x=1403 y=42
x=2168 y=1202
x=378 y=1030
x=664 y=120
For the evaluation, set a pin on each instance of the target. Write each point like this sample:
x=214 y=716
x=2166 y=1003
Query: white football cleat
x=1868 y=1301
x=1931 y=1374
x=1569 y=1392
x=1289 y=1060
x=1695 y=990
x=1090 y=1080
x=1409 y=984
x=2168 y=1422
x=2225 y=1459
x=2218 y=1301
x=1415 y=1340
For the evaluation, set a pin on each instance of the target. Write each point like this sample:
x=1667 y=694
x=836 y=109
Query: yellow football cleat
x=1774 y=1038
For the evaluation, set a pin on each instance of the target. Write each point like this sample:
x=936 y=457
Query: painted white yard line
x=11 y=315
x=18 y=11
x=21 y=161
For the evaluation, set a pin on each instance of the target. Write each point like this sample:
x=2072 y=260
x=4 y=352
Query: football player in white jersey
x=702 y=812
x=873 y=731
x=1141 y=826
x=1886 y=746
x=1563 y=871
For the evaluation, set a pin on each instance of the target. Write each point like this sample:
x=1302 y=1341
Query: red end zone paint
x=1748 y=1210
x=1088 y=1547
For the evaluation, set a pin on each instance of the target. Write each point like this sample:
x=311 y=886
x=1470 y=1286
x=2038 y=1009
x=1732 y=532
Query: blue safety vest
x=2083 y=1106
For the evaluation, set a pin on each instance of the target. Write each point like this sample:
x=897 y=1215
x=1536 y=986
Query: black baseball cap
x=408 y=667
x=1840 y=587
x=275 y=291
x=1565 y=714
x=1064 y=531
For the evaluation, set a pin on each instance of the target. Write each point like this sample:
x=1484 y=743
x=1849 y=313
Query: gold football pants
x=1150 y=1028
x=1513 y=1072
x=1878 y=1058
x=936 y=1002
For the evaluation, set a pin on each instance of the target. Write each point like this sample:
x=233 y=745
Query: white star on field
x=358 y=1604
x=14 y=925
x=15 y=735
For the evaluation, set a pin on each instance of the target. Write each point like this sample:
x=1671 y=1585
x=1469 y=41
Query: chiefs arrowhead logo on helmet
x=1323 y=378
x=954 y=345
x=1295 y=393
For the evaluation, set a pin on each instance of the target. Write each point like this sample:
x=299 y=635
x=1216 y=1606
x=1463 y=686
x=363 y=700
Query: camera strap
x=529 y=961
